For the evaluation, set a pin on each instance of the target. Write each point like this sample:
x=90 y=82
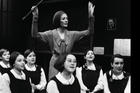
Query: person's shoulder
x=51 y=84
x=36 y=65
x=48 y=32
x=78 y=68
x=52 y=30
x=6 y=76
x=98 y=66
x=52 y=81
x=108 y=72
x=1 y=63
x=126 y=74
x=71 y=31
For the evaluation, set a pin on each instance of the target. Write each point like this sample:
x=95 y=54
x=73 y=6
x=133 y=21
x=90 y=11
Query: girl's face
x=64 y=20
x=19 y=62
x=31 y=58
x=90 y=56
x=118 y=65
x=6 y=56
x=70 y=63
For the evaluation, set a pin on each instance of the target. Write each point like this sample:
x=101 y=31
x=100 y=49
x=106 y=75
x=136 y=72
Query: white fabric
x=30 y=68
x=121 y=76
x=52 y=86
x=43 y=81
x=4 y=65
x=65 y=81
x=3 y=88
x=79 y=77
x=6 y=80
x=91 y=67
x=22 y=76
x=99 y=85
x=100 y=82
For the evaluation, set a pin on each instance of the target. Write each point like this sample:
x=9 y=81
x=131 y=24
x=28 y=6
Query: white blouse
x=6 y=81
x=119 y=77
x=52 y=86
x=4 y=65
x=99 y=85
x=2 y=85
x=43 y=81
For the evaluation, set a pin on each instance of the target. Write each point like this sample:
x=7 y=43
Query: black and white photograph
x=65 y=46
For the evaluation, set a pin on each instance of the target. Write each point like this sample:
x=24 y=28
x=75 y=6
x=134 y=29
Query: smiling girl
x=64 y=81
x=16 y=80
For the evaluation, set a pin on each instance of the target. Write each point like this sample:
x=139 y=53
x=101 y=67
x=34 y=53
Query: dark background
x=15 y=33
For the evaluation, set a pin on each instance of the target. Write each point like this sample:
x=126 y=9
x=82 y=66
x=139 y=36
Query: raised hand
x=35 y=11
x=90 y=9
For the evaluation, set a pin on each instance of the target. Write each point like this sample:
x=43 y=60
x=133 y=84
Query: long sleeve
x=79 y=77
x=43 y=81
x=105 y=82
x=4 y=84
x=99 y=85
x=34 y=28
x=52 y=87
x=80 y=34
x=128 y=86
x=91 y=25
x=45 y=36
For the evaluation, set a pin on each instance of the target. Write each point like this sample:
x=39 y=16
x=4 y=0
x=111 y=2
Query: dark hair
x=27 y=52
x=56 y=18
x=2 y=51
x=116 y=56
x=13 y=57
x=59 y=65
x=85 y=53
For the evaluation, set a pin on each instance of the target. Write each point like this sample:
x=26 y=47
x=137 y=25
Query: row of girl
x=20 y=74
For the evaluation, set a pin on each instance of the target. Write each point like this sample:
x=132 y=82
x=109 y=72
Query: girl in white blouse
x=16 y=81
x=4 y=61
x=64 y=81
x=36 y=72
x=90 y=75
x=117 y=80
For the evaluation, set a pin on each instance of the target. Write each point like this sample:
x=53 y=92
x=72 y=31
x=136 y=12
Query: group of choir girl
x=20 y=73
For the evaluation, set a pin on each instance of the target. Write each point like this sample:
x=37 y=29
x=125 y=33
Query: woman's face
x=118 y=65
x=70 y=63
x=64 y=20
x=31 y=58
x=6 y=56
x=19 y=62
x=90 y=56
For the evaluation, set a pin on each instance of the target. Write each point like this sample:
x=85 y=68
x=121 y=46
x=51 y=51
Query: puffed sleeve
x=105 y=83
x=128 y=86
x=99 y=85
x=5 y=82
x=43 y=81
x=44 y=36
x=52 y=87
